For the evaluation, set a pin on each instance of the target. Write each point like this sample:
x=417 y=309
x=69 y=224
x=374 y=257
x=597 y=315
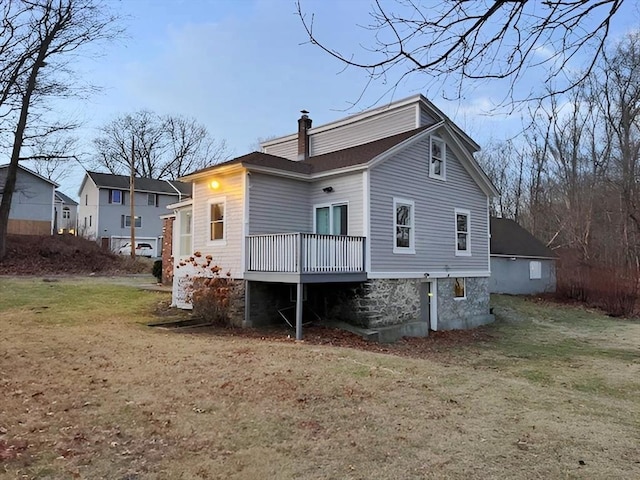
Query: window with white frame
x=152 y=199
x=331 y=219
x=125 y=221
x=437 y=155
x=403 y=213
x=186 y=239
x=216 y=220
x=463 y=240
x=459 y=288
x=115 y=196
x=66 y=212
x=535 y=270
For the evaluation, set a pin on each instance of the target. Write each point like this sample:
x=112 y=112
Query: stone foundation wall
x=470 y=312
x=386 y=302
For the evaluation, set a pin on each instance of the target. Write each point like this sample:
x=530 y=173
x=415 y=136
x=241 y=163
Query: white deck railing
x=305 y=253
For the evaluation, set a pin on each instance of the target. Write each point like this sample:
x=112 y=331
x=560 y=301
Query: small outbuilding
x=520 y=263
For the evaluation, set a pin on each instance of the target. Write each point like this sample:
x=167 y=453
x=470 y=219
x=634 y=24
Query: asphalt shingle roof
x=509 y=238
x=121 y=182
x=347 y=157
x=66 y=199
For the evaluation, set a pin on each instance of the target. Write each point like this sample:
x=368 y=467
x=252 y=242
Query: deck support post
x=299 y=289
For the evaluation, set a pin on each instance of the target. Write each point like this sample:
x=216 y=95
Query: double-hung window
x=331 y=219
x=437 y=156
x=186 y=243
x=152 y=199
x=66 y=212
x=217 y=209
x=125 y=221
x=463 y=236
x=115 y=196
x=403 y=219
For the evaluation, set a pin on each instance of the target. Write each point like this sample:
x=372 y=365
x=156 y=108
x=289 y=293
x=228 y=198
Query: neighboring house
x=65 y=214
x=379 y=219
x=32 y=204
x=104 y=211
x=520 y=263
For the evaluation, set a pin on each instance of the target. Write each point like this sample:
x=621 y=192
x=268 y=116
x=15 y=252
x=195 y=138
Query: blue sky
x=244 y=69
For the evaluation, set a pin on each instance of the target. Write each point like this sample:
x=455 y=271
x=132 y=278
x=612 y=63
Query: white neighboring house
x=65 y=214
x=32 y=205
x=380 y=219
x=104 y=210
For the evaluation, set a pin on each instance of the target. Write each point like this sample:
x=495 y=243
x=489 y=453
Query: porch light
x=215 y=184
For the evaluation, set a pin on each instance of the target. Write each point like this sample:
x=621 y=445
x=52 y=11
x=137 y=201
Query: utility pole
x=132 y=202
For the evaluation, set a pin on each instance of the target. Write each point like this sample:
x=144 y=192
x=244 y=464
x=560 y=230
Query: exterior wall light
x=215 y=184
x=327 y=189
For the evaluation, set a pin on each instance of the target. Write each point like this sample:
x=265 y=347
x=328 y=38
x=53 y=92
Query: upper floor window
x=152 y=199
x=331 y=219
x=216 y=220
x=463 y=244
x=66 y=212
x=115 y=196
x=403 y=213
x=437 y=155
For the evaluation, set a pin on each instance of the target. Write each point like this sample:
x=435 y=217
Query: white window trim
x=125 y=221
x=411 y=249
x=464 y=286
x=330 y=205
x=223 y=241
x=443 y=168
x=467 y=213
x=538 y=270
x=113 y=190
x=181 y=236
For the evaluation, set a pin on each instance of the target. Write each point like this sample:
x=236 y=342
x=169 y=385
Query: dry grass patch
x=90 y=392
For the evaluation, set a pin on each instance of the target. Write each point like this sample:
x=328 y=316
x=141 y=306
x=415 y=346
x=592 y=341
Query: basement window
x=459 y=288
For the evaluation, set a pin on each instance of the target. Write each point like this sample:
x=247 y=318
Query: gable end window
x=463 y=235
x=217 y=228
x=437 y=156
x=404 y=234
x=66 y=212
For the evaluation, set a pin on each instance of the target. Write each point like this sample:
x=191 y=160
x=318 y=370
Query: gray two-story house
x=380 y=219
x=32 y=205
x=104 y=210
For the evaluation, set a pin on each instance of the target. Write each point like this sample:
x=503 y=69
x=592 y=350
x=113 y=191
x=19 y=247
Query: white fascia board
x=305 y=176
x=346 y=121
x=439 y=113
x=432 y=274
x=472 y=167
x=178 y=205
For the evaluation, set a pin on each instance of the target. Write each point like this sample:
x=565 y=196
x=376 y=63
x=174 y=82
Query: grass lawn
x=87 y=390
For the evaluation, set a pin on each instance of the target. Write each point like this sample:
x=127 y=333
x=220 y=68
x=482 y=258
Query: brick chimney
x=304 y=124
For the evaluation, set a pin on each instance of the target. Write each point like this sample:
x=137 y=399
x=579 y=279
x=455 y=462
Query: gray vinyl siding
x=511 y=275
x=287 y=149
x=406 y=176
x=278 y=205
x=32 y=198
x=227 y=254
x=380 y=126
x=425 y=117
x=110 y=215
x=346 y=189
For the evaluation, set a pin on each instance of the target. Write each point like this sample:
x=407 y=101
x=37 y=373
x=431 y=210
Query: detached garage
x=520 y=263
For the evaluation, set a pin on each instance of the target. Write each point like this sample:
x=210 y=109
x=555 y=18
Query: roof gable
x=510 y=239
x=31 y=172
x=65 y=199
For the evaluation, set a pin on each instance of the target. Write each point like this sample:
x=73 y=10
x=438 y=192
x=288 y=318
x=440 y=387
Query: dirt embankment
x=64 y=255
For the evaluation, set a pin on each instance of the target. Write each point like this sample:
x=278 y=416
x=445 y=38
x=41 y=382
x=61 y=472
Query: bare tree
x=38 y=41
x=166 y=147
x=52 y=156
x=485 y=40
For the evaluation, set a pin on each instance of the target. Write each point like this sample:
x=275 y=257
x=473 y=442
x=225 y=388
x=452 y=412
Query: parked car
x=142 y=249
